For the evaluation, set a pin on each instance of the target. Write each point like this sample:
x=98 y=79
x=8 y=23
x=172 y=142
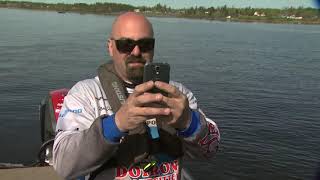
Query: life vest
x=137 y=147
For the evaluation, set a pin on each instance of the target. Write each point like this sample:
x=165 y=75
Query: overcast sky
x=206 y=3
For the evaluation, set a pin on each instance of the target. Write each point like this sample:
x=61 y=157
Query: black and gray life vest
x=138 y=146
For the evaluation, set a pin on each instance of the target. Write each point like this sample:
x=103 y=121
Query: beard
x=135 y=74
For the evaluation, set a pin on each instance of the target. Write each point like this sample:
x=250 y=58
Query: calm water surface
x=260 y=82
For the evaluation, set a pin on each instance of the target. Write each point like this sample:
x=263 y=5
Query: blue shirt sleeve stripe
x=194 y=125
x=110 y=130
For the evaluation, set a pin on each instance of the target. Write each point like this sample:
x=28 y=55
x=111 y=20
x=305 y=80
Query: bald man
x=97 y=139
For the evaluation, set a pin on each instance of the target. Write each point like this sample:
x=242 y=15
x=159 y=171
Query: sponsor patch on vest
x=164 y=171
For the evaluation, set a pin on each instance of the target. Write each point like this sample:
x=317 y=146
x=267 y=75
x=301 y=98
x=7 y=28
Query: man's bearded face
x=134 y=68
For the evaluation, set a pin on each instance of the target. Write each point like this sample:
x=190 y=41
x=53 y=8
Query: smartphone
x=157 y=72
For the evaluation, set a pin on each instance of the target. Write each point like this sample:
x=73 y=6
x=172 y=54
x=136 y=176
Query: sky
x=205 y=3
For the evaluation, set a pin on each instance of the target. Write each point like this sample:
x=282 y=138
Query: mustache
x=135 y=59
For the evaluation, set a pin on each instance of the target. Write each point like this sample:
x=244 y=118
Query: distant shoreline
x=274 y=16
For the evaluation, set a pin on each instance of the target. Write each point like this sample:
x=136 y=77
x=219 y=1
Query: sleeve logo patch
x=66 y=111
x=210 y=141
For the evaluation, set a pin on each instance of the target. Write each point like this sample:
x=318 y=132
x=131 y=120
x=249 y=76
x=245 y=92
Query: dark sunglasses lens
x=125 y=45
x=146 y=45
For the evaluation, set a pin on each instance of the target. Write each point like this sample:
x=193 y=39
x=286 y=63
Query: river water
x=259 y=82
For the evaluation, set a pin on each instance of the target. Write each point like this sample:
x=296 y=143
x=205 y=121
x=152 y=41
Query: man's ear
x=110 y=47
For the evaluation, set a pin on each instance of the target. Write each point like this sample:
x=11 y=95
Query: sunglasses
x=126 y=45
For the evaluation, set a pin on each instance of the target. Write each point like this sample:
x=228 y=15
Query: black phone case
x=157 y=72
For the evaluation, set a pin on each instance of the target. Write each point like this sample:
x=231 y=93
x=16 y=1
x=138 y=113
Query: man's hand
x=134 y=111
x=178 y=103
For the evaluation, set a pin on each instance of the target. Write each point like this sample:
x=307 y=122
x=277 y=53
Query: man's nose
x=136 y=51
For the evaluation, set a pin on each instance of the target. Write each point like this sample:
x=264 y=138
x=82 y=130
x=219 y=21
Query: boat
x=49 y=109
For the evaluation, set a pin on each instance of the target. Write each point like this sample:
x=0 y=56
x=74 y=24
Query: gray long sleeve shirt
x=80 y=147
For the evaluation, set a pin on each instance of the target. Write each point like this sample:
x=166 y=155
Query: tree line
x=163 y=10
